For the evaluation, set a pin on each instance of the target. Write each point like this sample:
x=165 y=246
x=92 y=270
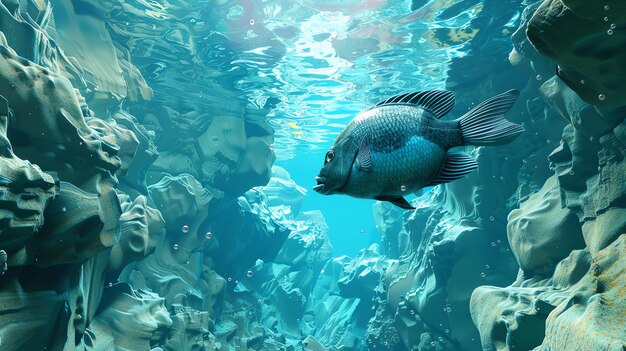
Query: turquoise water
x=335 y=59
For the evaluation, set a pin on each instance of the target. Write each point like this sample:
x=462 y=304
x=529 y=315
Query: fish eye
x=330 y=155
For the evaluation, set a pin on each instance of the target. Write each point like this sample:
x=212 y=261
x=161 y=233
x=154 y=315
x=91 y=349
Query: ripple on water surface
x=324 y=61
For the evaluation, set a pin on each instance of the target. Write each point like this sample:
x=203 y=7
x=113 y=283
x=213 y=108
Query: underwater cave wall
x=546 y=212
x=123 y=225
x=140 y=209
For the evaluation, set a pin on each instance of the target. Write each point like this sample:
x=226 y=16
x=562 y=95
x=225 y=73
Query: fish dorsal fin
x=396 y=200
x=365 y=159
x=455 y=167
x=437 y=102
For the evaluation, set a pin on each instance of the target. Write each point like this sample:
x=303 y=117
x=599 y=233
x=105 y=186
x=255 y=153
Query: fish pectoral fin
x=396 y=200
x=437 y=102
x=365 y=157
x=456 y=166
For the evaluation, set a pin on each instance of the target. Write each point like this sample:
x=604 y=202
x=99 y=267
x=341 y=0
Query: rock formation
x=136 y=216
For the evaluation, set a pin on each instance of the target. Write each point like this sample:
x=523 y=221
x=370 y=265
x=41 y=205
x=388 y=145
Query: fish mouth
x=320 y=184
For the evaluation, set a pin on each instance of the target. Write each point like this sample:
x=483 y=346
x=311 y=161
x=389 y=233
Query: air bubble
x=403 y=187
x=482 y=274
x=539 y=77
x=110 y=285
x=606 y=7
x=447 y=331
x=571 y=173
x=185 y=229
x=230 y=279
x=613 y=26
x=175 y=247
x=493 y=243
x=601 y=97
x=249 y=274
x=252 y=22
x=491 y=218
x=64 y=209
x=487 y=266
x=582 y=81
x=548 y=141
x=208 y=235
x=609 y=32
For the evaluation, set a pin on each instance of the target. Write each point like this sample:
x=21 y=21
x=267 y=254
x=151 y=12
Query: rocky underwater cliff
x=140 y=208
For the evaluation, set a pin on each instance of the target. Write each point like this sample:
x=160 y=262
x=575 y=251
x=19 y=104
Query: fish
x=401 y=145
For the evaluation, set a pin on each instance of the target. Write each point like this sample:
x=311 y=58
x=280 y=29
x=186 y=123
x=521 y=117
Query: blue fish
x=401 y=145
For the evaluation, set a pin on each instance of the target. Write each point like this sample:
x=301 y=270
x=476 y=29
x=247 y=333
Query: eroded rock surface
x=134 y=217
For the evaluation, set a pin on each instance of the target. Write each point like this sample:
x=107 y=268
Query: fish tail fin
x=485 y=124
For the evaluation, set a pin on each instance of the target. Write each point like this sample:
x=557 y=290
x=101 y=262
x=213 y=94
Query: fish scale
x=405 y=150
x=390 y=127
x=401 y=145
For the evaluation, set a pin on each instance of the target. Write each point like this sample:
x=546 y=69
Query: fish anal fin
x=365 y=157
x=437 y=102
x=455 y=167
x=396 y=200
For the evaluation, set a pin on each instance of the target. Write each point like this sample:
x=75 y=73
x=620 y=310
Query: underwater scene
x=312 y=175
